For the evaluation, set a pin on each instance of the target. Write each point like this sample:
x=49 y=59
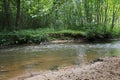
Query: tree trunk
x=17 y=15
x=86 y=7
x=113 y=18
x=6 y=13
x=105 y=20
x=97 y=11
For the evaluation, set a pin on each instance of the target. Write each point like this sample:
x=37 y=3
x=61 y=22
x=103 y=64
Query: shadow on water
x=21 y=60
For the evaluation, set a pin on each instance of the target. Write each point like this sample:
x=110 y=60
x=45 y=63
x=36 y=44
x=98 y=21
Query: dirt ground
x=102 y=69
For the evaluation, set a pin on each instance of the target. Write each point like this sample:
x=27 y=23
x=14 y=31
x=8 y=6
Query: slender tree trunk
x=98 y=12
x=6 y=13
x=113 y=18
x=86 y=7
x=80 y=16
x=105 y=20
x=17 y=15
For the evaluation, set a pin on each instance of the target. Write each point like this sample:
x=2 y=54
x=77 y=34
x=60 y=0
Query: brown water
x=26 y=59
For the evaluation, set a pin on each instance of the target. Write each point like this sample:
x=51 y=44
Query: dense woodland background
x=94 y=17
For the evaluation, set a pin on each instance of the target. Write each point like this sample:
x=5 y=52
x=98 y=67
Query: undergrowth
x=37 y=36
x=30 y=36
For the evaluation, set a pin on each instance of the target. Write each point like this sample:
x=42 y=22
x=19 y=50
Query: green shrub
x=96 y=33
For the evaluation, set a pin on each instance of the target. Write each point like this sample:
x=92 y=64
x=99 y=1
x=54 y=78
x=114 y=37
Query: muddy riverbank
x=102 y=69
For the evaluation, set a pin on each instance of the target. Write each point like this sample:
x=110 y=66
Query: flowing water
x=26 y=59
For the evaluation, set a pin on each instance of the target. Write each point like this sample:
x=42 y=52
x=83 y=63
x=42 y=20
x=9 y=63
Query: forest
x=59 y=39
x=35 y=21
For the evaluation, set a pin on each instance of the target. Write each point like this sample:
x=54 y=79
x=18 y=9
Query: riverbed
x=19 y=60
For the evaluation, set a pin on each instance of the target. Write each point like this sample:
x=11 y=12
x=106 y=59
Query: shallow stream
x=20 y=60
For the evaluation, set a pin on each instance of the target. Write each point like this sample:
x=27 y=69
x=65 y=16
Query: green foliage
x=47 y=34
x=67 y=34
x=94 y=33
x=37 y=36
x=23 y=36
x=59 y=19
x=116 y=32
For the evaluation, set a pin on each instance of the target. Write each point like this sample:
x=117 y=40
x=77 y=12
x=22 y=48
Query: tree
x=17 y=14
x=6 y=13
x=115 y=11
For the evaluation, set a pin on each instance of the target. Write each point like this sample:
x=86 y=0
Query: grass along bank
x=39 y=35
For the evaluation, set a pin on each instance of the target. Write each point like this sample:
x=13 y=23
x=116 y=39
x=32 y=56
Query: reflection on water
x=21 y=60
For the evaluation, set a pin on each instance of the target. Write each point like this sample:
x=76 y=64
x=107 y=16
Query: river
x=20 y=60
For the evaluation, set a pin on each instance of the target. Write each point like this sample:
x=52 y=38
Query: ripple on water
x=53 y=55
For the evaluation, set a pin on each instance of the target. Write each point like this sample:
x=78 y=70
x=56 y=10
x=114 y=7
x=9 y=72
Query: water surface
x=26 y=59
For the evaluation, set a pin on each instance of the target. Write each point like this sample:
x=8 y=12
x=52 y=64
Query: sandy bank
x=107 y=69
